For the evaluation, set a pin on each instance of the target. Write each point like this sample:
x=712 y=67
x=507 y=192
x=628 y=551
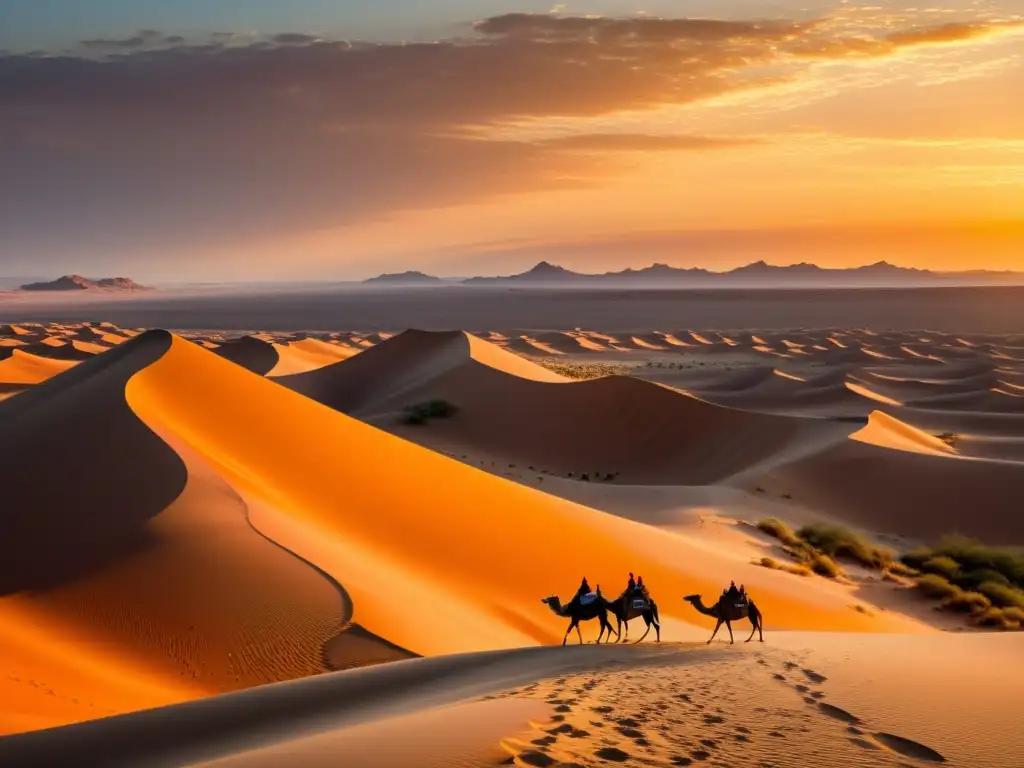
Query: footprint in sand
x=837 y=713
x=614 y=754
x=908 y=748
x=813 y=676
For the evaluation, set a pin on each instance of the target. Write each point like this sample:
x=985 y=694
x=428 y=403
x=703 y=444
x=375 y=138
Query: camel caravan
x=636 y=602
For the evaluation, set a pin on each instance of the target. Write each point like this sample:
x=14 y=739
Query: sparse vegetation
x=988 y=581
x=1002 y=595
x=823 y=565
x=581 y=371
x=933 y=585
x=837 y=542
x=421 y=413
x=779 y=530
x=949 y=438
x=966 y=602
x=942 y=565
x=775 y=565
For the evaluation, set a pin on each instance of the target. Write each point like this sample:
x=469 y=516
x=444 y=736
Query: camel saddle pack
x=637 y=601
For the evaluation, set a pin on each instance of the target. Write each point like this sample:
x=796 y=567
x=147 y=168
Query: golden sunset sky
x=487 y=138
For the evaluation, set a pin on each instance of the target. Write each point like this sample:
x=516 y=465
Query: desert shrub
x=797 y=570
x=836 y=541
x=1002 y=595
x=1014 y=614
x=942 y=565
x=421 y=413
x=973 y=555
x=933 y=585
x=974 y=579
x=779 y=530
x=823 y=565
x=949 y=438
x=896 y=568
x=966 y=602
x=1001 y=618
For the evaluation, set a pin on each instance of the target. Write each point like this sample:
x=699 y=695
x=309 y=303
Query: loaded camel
x=628 y=606
x=728 y=611
x=577 y=612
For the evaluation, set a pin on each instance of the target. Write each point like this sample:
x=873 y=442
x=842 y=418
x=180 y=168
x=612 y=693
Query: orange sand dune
x=525 y=345
x=896 y=488
x=381 y=378
x=12 y=343
x=23 y=368
x=307 y=355
x=352 y=500
x=674 y=340
x=650 y=341
x=251 y=353
x=159 y=579
x=646 y=432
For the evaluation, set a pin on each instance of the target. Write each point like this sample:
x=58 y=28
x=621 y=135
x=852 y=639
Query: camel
x=623 y=610
x=598 y=609
x=728 y=612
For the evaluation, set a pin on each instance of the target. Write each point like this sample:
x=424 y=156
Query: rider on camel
x=640 y=588
x=632 y=583
x=583 y=590
x=732 y=593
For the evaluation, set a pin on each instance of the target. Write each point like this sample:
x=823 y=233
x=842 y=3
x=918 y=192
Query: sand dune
x=307 y=484
x=253 y=354
x=644 y=432
x=907 y=491
x=189 y=530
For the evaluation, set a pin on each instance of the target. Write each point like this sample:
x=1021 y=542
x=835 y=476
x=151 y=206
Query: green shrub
x=937 y=586
x=421 y=413
x=942 y=565
x=974 y=579
x=823 y=565
x=1001 y=618
x=797 y=570
x=779 y=530
x=1002 y=595
x=966 y=602
x=836 y=541
x=973 y=555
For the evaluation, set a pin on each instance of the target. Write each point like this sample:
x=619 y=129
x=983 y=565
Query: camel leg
x=657 y=631
x=759 y=632
x=753 y=629
x=578 y=633
x=646 y=632
x=728 y=625
x=572 y=624
x=719 y=624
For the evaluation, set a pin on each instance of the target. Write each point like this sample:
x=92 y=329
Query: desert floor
x=313 y=547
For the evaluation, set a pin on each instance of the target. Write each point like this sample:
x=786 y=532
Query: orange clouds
x=161 y=145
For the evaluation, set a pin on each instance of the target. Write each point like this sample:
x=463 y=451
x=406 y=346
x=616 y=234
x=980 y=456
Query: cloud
x=633 y=142
x=150 y=141
x=136 y=41
x=293 y=38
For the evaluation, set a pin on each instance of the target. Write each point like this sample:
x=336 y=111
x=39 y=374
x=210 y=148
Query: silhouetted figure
x=732 y=593
x=640 y=588
x=583 y=590
x=631 y=585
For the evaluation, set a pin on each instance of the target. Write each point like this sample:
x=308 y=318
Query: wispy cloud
x=152 y=138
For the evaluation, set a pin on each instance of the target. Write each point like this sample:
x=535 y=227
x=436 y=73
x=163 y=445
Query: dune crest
x=342 y=490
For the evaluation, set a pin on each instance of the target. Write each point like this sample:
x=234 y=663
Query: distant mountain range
x=404 y=278
x=758 y=274
x=79 y=283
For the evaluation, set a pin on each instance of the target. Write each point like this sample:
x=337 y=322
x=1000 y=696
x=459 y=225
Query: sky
x=191 y=140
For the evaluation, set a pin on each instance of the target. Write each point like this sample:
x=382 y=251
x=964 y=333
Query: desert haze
x=337 y=546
